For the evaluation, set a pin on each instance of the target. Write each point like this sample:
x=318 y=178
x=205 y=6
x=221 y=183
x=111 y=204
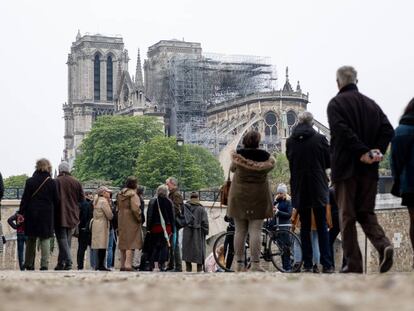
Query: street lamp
x=180 y=144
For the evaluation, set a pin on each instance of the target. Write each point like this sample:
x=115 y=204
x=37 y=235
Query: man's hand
x=372 y=156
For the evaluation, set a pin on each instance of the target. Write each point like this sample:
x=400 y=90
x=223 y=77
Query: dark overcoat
x=357 y=125
x=308 y=155
x=194 y=234
x=39 y=209
x=70 y=197
x=249 y=195
x=402 y=157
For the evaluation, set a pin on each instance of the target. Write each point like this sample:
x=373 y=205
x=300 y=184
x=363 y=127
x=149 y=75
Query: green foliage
x=385 y=164
x=281 y=172
x=160 y=159
x=17 y=181
x=212 y=171
x=110 y=150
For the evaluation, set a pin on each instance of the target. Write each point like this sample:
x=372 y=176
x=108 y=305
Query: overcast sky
x=313 y=38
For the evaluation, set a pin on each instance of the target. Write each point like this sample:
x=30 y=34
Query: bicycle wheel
x=285 y=251
x=224 y=244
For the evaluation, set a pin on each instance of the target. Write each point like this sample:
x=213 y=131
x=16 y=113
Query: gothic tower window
x=291 y=119
x=97 y=78
x=109 y=79
x=270 y=126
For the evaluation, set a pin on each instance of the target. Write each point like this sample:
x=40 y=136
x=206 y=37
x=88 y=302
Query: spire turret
x=139 y=82
x=78 y=36
x=287 y=87
x=298 y=89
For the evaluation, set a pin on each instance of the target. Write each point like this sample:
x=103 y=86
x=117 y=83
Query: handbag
x=224 y=191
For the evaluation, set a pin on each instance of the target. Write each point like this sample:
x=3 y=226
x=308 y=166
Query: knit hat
x=64 y=167
x=281 y=188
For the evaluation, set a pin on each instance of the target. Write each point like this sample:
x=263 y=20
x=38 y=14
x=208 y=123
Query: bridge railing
x=384 y=186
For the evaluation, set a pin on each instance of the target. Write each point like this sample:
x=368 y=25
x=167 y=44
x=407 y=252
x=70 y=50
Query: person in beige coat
x=129 y=223
x=102 y=214
x=250 y=199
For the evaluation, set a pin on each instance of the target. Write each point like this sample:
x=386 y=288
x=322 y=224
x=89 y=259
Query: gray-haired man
x=360 y=134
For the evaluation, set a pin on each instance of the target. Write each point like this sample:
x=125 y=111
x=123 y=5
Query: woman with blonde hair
x=37 y=206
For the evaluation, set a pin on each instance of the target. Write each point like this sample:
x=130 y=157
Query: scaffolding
x=196 y=82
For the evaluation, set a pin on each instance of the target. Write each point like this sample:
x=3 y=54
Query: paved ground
x=74 y=291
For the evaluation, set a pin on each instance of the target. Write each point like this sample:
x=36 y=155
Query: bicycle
x=281 y=250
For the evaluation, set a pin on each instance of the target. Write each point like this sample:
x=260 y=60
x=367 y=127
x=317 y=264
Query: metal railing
x=384 y=186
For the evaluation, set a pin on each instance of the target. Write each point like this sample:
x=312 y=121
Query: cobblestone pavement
x=74 y=291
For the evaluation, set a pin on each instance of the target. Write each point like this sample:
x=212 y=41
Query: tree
x=16 y=181
x=160 y=158
x=212 y=171
x=385 y=164
x=110 y=150
x=281 y=172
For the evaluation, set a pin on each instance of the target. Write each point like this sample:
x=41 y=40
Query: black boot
x=101 y=260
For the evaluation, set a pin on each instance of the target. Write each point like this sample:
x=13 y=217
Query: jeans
x=64 y=239
x=285 y=242
x=110 y=251
x=29 y=262
x=316 y=255
x=93 y=258
x=175 y=253
x=323 y=237
x=21 y=240
x=254 y=228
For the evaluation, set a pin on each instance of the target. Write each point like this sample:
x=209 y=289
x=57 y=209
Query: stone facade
x=99 y=84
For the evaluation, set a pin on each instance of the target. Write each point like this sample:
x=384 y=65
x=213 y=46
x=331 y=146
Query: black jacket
x=85 y=215
x=153 y=216
x=308 y=155
x=357 y=125
x=39 y=209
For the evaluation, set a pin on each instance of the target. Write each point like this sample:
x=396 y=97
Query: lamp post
x=180 y=144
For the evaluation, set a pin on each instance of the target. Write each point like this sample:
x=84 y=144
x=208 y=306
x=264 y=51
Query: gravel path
x=74 y=291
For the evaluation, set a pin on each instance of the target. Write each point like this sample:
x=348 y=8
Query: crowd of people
x=333 y=186
x=59 y=208
x=360 y=136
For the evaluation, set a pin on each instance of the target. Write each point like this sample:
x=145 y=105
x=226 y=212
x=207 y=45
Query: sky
x=313 y=38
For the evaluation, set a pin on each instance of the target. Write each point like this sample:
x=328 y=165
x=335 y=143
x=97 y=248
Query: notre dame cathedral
x=99 y=83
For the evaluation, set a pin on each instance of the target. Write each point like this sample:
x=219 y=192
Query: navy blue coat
x=402 y=156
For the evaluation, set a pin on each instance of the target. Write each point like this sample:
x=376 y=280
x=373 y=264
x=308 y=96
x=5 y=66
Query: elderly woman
x=129 y=223
x=402 y=163
x=160 y=225
x=250 y=200
x=102 y=214
x=39 y=201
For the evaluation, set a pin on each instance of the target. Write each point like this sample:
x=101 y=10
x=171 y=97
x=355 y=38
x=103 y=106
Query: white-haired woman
x=160 y=225
x=102 y=214
x=39 y=201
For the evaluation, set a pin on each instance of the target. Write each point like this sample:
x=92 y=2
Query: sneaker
x=255 y=267
x=59 y=267
x=386 y=260
x=329 y=270
x=67 y=267
x=315 y=268
x=43 y=269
